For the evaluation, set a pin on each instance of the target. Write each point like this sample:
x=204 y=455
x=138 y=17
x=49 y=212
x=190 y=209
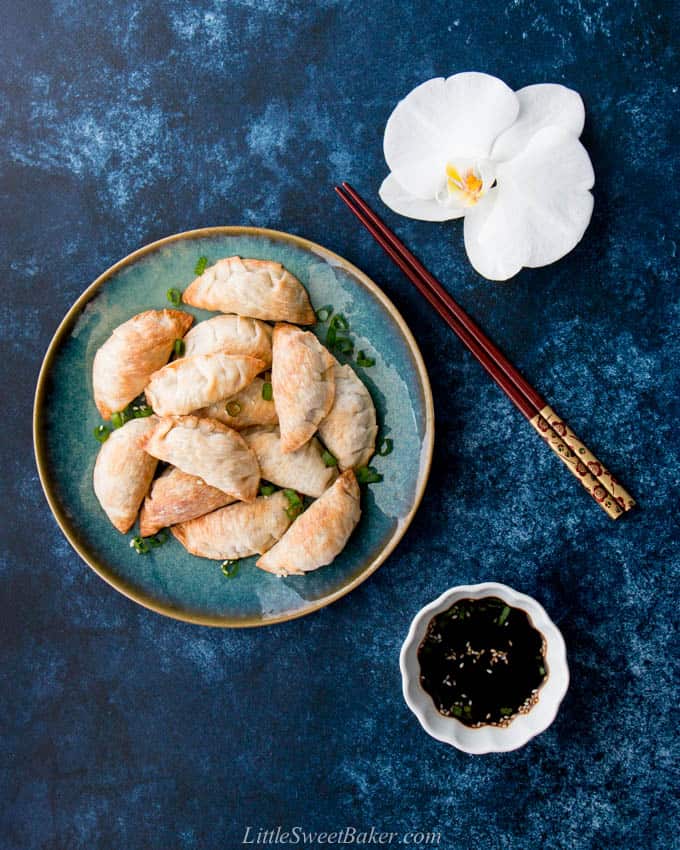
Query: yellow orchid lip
x=470 y=187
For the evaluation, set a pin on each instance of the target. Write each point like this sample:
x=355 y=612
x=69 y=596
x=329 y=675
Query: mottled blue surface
x=125 y=121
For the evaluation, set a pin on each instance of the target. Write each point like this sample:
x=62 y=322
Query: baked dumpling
x=135 y=349
x=262 y=289
x=231 y=335
x=189 y=383
x=243 y=409
x=178 y=497
x=319 y=534
x=123 y=472
x=208 y=449
x=350 y=429
x=237 y=531
x=302 y=382
x=303 y=470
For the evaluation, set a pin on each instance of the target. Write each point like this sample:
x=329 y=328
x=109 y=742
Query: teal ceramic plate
x=168 y=579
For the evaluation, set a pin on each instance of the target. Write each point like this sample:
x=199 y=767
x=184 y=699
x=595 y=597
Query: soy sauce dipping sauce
x=482 y=662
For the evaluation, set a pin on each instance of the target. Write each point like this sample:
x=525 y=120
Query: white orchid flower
x=510 y=162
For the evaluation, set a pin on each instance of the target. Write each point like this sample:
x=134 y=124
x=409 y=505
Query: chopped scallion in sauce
x=385 y=447
x=329 y=459
x=230 y=568
x=201 y=265
x=174 y=296
x=482 y=662
x=267 y=392
x=179 y=347
x=363 y=360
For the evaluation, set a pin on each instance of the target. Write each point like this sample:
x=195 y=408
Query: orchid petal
x=538 y=211
x=544 y=105
x=442 y=119
x=403 y=202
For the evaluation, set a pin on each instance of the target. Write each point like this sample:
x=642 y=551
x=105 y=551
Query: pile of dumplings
x=220 y=433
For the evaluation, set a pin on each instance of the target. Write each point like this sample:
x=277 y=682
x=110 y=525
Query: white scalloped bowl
x=485 y=739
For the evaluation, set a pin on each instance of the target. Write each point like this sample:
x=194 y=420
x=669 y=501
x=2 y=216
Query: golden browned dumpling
x=302 y=382
x=350 y=429
x=135 y=349
x=320 y=533
x=178 y=497
x=231 y=335
x=237 y=531
x=262 y=289
x=189 y=383
x=303 y=470
x=208 y=449
x=243 y=409
x=123 y=472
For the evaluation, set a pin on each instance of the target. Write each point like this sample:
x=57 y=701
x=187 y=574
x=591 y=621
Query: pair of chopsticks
x=576 y=456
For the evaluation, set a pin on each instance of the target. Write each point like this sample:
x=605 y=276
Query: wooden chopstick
x=591 y=473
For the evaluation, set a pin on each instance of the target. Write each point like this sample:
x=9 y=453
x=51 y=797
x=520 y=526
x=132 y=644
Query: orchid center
x=466 y=186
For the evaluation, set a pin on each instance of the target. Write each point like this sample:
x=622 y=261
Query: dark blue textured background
x=123 y=122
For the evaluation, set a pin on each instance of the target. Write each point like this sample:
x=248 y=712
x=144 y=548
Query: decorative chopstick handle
x=582 y=463
x=588 y=459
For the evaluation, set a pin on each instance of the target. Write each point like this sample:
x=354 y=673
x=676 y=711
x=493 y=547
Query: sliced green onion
x=329 y=459
x=174 y=296
x=179 y=347
x=233 y=408
x=363 y=360
x=457 y=711
x=330 y=337
x=293 y=498
x=267 y=392
x=142 y=411
x=344 y=345
x=101 y=433
x=504 y=615
x=118 y=419
x=158 y=540
x=340 y=322
x=230 y=568
x=506 y=711
x=140 y=545
x=323 y=314
x=385 y=448
x=293 y=511
x=201 y=265
x=266 y=489
x=541 y=670
x=368 y=475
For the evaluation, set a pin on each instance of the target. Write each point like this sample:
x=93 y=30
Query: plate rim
x=65 y=326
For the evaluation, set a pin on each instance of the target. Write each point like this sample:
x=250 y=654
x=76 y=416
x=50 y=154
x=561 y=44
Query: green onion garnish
x=293 y=511
x=143 y=545
x=233 y=408
x=140 y=545
x=364 y=361
x=329 y=459
x=267 y=392
x=330 y=336
x=174 y=296
x=201 y=265
x=504 y=615
x=293 y=498
x=385 y=448
x=118 y=419
x=541 y=670
x=141 y=411
x=229 y=568
x=101 y=433
x=457 y=711
x=266 y=489
x=368 y=475
x=340 y=322
x=506 y=711
x=323 y=314
x=344 y=345
x=179 y=347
